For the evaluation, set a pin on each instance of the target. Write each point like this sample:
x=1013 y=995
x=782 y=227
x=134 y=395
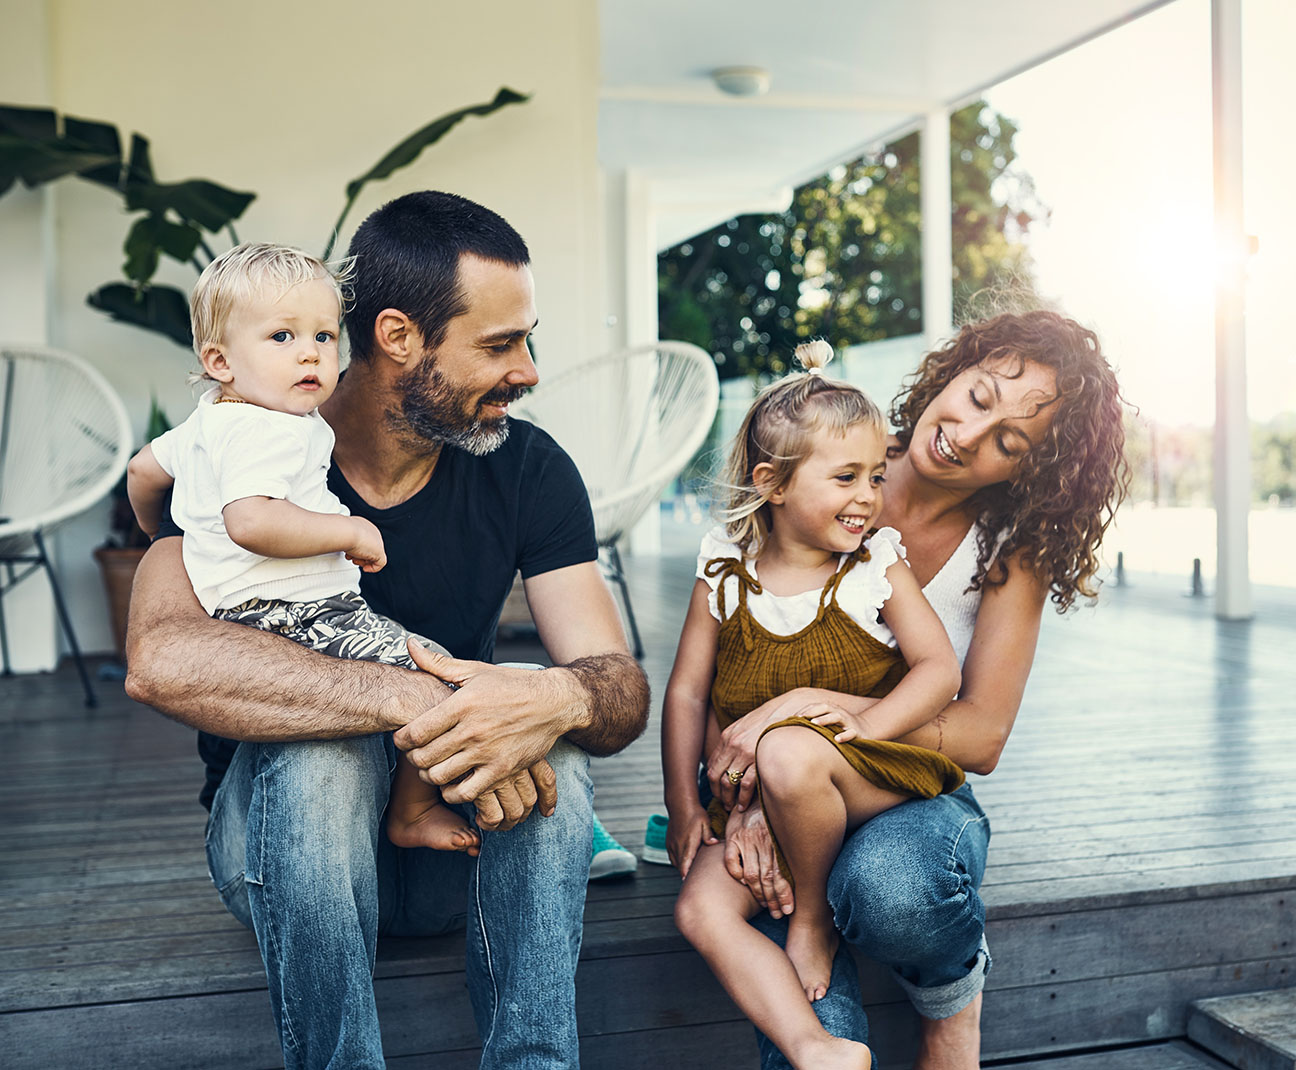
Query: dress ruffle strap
x=722 y=569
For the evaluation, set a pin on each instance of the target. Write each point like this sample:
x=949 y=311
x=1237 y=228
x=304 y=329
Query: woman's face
x=976 y=431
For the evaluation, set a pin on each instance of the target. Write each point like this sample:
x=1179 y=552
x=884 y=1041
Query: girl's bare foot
x=811 y=945
x=834 y=1053
x=952 y=1043
x=432 y=825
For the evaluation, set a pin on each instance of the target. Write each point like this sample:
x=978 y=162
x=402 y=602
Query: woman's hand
x=736 y=752
x=737 y=749
x=750 y=858
x=684 y=835
x=828 y=714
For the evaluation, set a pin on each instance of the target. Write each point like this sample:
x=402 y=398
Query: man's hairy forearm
x=250 y=685
x=241 y=683
x=618 y=702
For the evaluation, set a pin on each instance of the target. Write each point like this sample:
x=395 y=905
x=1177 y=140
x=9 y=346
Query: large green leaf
x=156 y=308
x=149 y=237
x=33 y=150
x=101 y=138
x=209 y=205
x=408 y=150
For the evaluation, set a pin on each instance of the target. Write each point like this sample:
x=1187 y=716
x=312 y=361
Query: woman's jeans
x=297 y=849
x=904 y=892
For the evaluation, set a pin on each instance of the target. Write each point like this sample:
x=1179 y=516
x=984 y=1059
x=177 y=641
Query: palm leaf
x=408 y=150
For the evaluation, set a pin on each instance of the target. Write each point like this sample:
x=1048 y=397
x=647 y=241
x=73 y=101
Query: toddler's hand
x=367 y=549
x=829 y=714
x=685 y=835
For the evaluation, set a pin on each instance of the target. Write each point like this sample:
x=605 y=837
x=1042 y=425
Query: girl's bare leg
x=712 y=912
x=813 y=798
x=416 y=816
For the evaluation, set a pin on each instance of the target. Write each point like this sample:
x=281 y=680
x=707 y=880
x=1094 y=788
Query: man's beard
x=441 y=414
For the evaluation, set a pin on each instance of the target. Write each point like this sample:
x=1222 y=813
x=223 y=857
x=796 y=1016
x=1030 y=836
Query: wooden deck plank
x=1144 y=853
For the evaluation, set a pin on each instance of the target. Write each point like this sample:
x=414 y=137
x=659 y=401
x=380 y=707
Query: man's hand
x=501 y=808
x=750 y=858
x=500 y=723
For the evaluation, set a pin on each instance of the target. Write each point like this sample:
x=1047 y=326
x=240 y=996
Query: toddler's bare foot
x=432 y=825
x=952 y=1043
x=834 y=1053
x=811 y=945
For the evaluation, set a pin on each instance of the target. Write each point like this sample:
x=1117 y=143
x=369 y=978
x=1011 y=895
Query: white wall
x=261 y=96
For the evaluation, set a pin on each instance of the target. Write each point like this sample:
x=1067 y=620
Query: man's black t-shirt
x=454 y=547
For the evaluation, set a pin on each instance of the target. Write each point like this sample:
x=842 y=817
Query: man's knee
x=323 y=797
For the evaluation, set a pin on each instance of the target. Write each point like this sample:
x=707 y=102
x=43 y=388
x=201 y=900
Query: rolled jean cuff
x=945 y=1001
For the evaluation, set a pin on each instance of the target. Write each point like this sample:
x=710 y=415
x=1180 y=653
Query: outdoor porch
x=1144 y=856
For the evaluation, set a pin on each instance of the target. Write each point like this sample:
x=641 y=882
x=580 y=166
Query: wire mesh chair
x=64 y=442
x=630 y=421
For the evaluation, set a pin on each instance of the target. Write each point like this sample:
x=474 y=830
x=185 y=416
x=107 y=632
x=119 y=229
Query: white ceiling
x=843 y=76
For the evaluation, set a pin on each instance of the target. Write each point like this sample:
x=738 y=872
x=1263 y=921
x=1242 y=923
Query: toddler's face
x=282 y=353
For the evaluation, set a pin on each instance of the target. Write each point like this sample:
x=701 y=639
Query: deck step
x=1256 y=1031
x=1174 y=1055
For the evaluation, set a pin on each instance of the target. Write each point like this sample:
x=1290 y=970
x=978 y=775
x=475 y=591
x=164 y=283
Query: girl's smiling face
x=976 y=431
x=835 y=494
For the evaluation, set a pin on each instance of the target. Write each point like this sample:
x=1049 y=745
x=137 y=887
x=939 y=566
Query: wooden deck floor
x=1144 y=855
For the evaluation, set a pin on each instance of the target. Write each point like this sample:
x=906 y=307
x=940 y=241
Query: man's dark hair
x=407 y=257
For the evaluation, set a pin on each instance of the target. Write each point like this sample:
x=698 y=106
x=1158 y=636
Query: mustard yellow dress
x=834 y=652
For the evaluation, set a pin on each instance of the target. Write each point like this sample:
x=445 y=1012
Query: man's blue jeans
x=904 y=891
x=297 y=850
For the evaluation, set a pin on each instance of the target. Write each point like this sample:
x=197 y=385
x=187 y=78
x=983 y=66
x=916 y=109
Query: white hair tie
x=814 y=371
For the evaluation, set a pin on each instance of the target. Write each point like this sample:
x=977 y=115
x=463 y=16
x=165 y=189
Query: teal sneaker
x=655 y=841
x=607 y=857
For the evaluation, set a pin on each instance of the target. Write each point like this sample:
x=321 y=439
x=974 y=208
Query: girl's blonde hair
x=779 y=430
x=252 y=270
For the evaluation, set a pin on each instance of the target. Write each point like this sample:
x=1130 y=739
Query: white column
x=641 y=311
x=26 y=296
x=1232 y=427
x=937 y=227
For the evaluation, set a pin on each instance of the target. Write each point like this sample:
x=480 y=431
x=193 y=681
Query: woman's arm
x=972 y=730
x=684 y=722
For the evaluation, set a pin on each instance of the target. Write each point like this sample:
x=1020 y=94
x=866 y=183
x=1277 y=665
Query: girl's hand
x=737 y=749
x=684 y=835
x=366 y=549
x=830 y=714
x=749 y=857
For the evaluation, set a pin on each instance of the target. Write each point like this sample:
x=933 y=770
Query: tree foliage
x=843 y=262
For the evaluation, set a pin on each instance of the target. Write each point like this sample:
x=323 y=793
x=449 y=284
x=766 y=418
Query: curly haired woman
x=1004 y=473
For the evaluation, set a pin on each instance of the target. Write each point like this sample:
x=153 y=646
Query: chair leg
x=65 y=620
x=4 y=627
x=619 y=576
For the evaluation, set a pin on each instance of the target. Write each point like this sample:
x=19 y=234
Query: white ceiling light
x=742 y=81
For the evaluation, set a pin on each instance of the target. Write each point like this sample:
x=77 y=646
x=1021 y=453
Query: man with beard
x=464 y=498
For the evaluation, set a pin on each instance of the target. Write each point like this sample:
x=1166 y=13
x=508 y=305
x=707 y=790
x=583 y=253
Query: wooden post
x=1232 y=427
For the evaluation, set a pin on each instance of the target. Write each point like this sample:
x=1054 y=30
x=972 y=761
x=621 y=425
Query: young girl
x=795 y=590
x=266 y=543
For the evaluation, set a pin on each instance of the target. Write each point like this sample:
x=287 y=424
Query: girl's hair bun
x=814 y=356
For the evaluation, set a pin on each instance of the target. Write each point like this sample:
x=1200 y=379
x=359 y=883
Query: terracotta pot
x=117 y=564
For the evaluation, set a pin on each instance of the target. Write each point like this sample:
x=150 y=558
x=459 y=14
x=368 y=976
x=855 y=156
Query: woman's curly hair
x=1052 y=514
